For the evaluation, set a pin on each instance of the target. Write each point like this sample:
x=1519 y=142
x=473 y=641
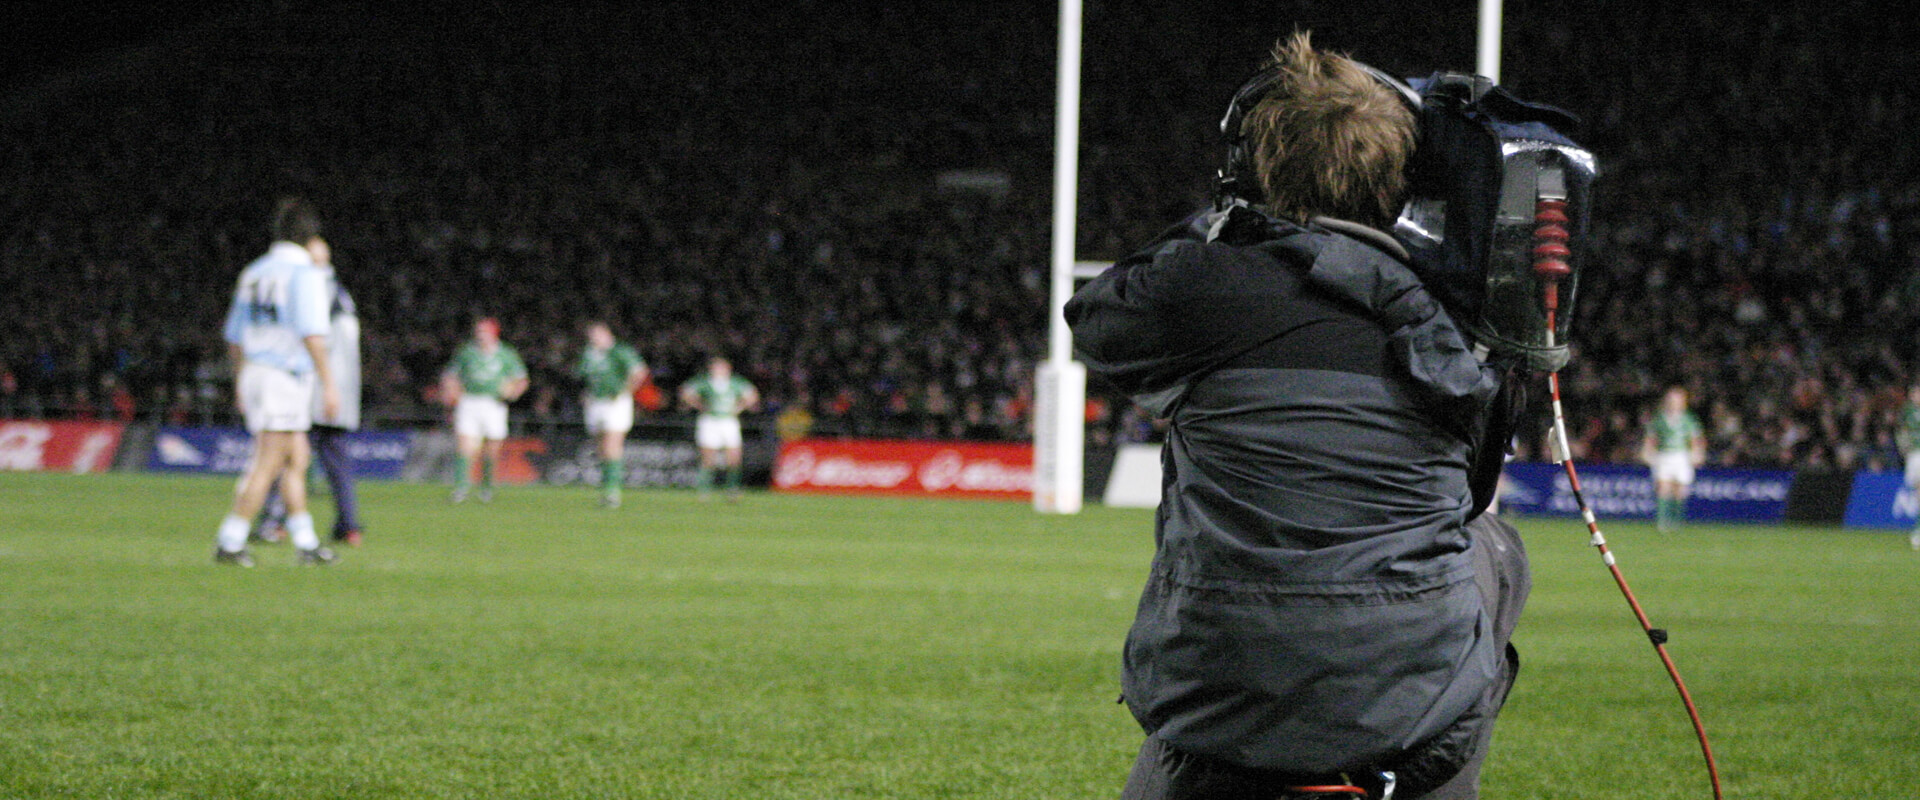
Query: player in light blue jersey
x=276 y=334
x=328 y=438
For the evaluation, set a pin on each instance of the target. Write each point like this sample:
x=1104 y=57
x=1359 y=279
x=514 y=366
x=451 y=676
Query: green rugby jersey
x=1909 y=439
x=483 y=374
x=720 y=399
x=1674 y=434
x=606 y=371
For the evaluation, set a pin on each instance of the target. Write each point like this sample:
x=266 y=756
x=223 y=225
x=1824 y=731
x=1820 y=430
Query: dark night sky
x=47 y=36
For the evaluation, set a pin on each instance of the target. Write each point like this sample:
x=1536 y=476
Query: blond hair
x=1329 y=139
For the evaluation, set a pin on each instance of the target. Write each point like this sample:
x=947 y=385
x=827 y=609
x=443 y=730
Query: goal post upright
x=1060 y=383
x=1487 y=52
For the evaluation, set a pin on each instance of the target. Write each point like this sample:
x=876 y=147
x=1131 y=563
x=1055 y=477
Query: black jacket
x=1310 y=607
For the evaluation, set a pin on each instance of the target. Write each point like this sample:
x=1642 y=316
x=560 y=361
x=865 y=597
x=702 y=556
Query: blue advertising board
x=203 y=450
x=1626 y=492
x=1881 y=500
x=224 y=451
x=379 y=455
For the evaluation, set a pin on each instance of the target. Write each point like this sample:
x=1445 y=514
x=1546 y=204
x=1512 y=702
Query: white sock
x=300 y=530
x=233 y=534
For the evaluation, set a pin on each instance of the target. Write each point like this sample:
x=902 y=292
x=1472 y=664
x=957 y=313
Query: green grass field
x=810 y=647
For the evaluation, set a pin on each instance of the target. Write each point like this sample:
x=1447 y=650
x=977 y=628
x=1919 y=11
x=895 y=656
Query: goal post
x=1059 y=437
x=1060 y=385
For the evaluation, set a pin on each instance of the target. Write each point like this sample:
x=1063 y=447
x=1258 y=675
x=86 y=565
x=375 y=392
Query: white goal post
x=1060 y=385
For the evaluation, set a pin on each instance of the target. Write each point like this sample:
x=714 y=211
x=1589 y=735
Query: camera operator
x=1326 y=606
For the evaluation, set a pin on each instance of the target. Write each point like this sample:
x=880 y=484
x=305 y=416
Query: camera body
x=1482 y=163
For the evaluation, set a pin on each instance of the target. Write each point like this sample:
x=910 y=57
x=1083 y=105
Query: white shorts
x=1913 y=468
x=608 y=414
x=480 y=417
x=1676 y=467
x=274 y=400
x=716 y=433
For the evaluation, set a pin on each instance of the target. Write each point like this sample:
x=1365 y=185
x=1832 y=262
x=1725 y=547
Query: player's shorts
x=1676 y=467
x=1913 y=468
x=717 y=433
x=275 y=400
x=609 y=414
x=480 y=417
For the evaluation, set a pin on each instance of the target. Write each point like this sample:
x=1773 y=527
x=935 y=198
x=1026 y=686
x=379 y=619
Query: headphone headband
x=1238 y=178
x=1255 y=90
x=1407 y=95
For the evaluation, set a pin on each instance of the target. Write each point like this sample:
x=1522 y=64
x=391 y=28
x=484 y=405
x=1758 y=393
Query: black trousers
x=1500 y=573
x=330 y=449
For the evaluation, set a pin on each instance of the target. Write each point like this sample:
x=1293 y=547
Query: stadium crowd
x=855 y=206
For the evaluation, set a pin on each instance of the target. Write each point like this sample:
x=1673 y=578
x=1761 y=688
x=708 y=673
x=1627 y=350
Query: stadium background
x=851 y=197
x=769 y=182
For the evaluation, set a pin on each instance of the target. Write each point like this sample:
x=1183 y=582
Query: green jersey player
x=611 y=371
x=719 y=396
x=1909 y=441
x=1675 y=444
x=485 y=375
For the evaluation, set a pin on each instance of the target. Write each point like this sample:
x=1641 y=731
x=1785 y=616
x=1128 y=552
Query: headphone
x=1239 y=179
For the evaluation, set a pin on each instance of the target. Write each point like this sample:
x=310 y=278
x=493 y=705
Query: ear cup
x=1238 y=179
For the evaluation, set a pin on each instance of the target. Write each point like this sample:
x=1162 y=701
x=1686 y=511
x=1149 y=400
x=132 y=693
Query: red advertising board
x=33 y=445
x=929 y=469
x=515 y=466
